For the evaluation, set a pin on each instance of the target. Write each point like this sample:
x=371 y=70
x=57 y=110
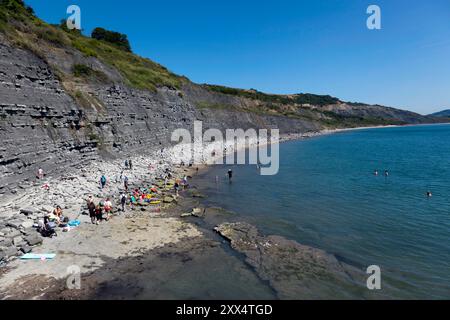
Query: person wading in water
x=230 y=174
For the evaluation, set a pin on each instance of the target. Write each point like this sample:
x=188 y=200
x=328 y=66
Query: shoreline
x=173 y=229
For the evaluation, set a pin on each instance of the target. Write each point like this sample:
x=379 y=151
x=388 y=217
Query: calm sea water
x=327 y=196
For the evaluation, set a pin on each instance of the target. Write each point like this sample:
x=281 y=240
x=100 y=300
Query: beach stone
x=8 y=252
x=185 y=215
x=168 y=200
x=28 y=231
x=27 y=224
x=13 y=233
x=27 y=211
x=16 y=224
x=25 y=248
x=18 y=241
x=198 y=212
x=46 y=209
x=6 y=242
x=33 y=239
x=3 y=255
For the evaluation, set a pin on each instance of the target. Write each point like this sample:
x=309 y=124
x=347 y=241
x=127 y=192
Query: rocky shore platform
x=181 y=250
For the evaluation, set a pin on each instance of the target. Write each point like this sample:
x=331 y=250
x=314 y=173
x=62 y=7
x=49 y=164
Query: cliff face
x=36 y=117
x=42 y=125
x=55 y=116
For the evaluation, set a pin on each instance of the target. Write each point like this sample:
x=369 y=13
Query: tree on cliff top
x=116 y=38
x=17 y=8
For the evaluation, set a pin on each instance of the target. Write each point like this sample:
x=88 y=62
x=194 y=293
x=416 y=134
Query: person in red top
x=108 y=208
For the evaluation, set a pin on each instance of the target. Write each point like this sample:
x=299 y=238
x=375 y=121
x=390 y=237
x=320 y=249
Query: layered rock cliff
x=55 y=118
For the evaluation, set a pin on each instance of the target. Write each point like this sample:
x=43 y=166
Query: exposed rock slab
x=294 y=270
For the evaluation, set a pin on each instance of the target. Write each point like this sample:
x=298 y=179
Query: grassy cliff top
x=302 y=98
x=21 y=26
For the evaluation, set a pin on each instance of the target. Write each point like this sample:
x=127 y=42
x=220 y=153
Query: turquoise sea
x=327 y=196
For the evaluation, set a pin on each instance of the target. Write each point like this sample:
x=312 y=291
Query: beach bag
x=51 y=225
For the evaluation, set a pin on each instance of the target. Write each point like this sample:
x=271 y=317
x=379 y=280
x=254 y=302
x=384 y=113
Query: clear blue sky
x=316 y=46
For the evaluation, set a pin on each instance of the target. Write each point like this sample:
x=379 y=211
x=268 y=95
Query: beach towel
x=74 y=223
x=38 y=256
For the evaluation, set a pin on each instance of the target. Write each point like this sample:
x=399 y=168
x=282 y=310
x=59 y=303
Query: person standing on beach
x=125 y=183
x=130 y=163
x=98 y=214
x=176 y=186
x=103 y=181
x=40 y=174
x=126 y=164
x=133 y=201
x=123 y=200
x=91 y=208
x=108 y=208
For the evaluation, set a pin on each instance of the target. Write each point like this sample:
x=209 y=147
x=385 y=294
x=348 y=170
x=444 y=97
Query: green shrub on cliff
x=51 y=34
x=17 y=6
x=3 y=21
x=86 y=72
x=118 y=39
x=112 y=48
x=87 y=51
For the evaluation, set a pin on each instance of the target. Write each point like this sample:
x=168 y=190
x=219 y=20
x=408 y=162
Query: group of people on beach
x=55 y=219
x=102 y=210
x=129 y=164
x=149 y=194
x=99 y=212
